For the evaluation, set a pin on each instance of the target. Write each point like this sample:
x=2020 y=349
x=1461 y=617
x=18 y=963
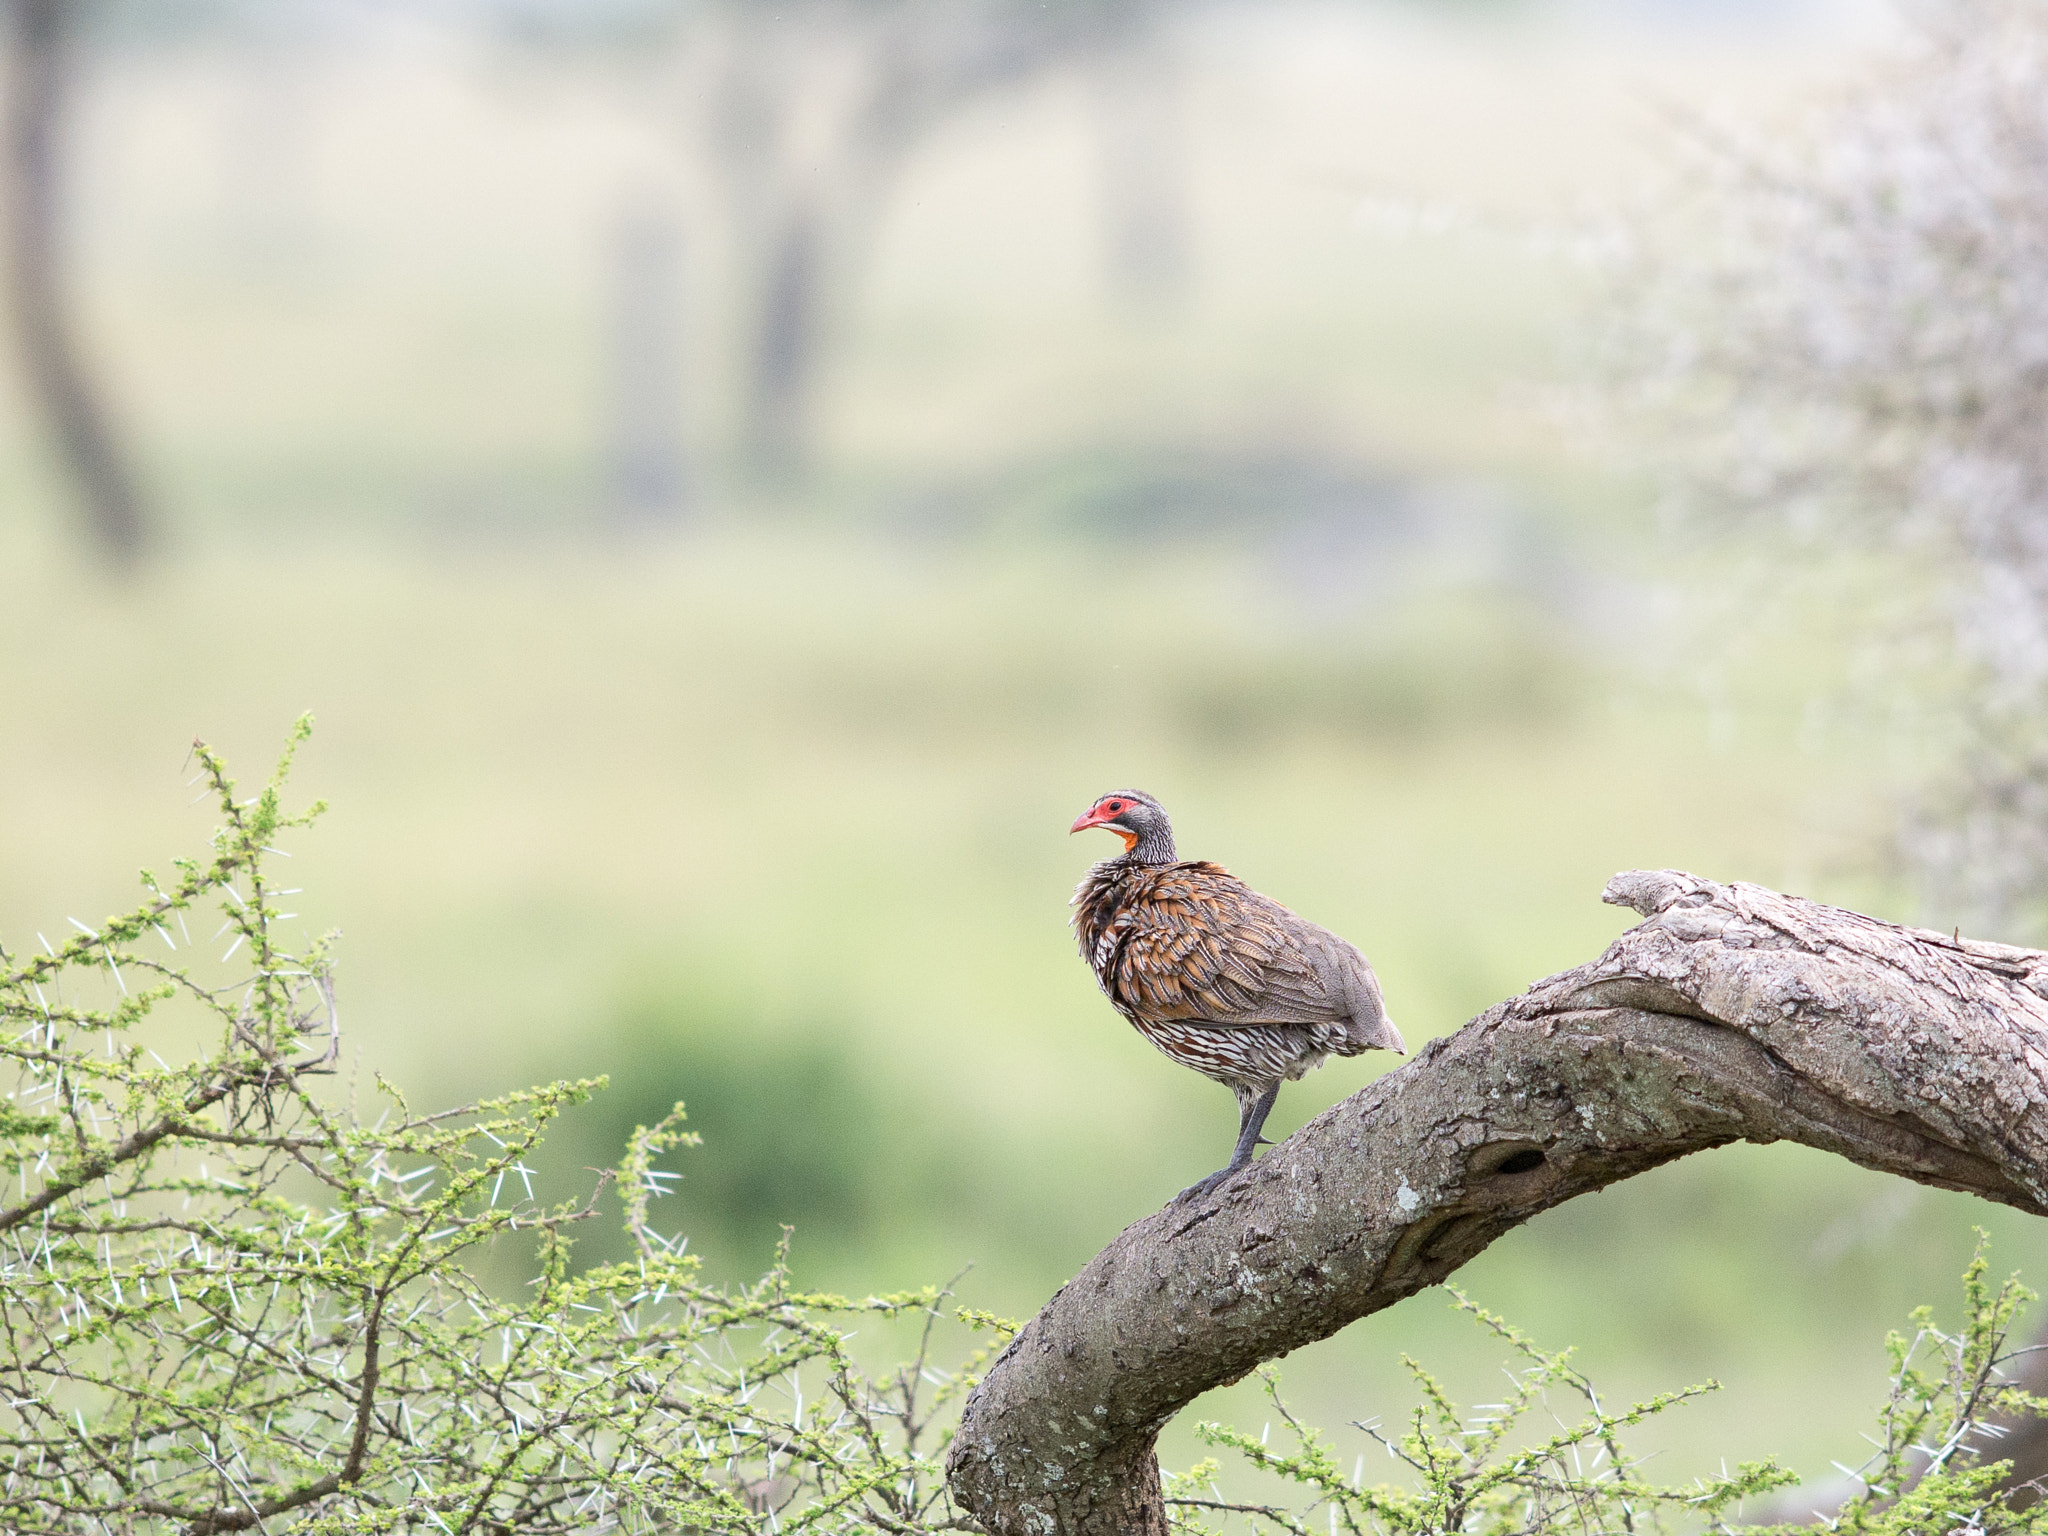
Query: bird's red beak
x=1094 y=816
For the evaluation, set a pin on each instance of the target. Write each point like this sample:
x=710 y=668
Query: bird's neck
x=1153 y=848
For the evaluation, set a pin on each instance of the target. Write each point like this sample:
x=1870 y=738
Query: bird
x=1217 y=976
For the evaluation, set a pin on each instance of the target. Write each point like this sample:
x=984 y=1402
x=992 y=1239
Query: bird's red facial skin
x=1101 y=814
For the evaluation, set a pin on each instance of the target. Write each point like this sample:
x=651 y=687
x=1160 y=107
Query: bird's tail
x=1378 y=1034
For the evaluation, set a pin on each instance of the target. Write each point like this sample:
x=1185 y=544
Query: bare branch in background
x=1845 y=337
x=1732 y=1014
x=74 y=412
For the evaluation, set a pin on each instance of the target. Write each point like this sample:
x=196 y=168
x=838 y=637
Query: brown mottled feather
x=1221 y=978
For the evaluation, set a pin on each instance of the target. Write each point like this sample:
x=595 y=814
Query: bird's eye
x=1115 y=806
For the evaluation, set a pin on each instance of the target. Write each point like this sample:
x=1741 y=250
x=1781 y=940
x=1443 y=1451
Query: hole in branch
x=1520 y=1162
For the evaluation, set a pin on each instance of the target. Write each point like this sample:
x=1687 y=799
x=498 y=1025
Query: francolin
x=1220 y=978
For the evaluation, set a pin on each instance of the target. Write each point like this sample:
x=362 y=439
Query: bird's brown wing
x=1203 y=945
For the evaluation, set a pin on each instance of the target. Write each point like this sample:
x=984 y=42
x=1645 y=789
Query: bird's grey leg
x=1252 y=1120
x=1252 y=1114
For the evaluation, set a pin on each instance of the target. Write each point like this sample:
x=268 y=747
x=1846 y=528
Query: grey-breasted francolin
x=1220 y=978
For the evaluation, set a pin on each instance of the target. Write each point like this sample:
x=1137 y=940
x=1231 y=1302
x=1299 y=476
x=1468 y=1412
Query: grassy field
x=798 y=858
x=767 y=813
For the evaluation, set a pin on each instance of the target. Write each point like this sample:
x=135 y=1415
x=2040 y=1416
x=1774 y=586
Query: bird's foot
x=1207 y=1186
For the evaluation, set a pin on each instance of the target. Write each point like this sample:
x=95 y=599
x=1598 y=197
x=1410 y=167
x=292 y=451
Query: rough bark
x=56 y=372
x=1733 y=1014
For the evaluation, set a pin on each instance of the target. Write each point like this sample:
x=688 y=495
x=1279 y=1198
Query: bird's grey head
x=1135 y=817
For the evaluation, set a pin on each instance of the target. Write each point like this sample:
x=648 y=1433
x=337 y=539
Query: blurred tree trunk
x=804 y=146
x=649 y=480
x=57 y=378
x=1135 y=84
x=783 y=365
x=813 y=108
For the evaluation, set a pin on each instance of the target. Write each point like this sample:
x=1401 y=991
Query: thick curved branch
x=1733 y=1014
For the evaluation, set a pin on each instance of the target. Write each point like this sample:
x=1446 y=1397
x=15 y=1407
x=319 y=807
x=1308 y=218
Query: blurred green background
x=732 y=754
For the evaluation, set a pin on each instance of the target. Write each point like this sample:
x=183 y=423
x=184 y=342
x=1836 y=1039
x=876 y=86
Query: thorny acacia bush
x=229 y=1301
x=1549 y=1457
x=1482 y=1472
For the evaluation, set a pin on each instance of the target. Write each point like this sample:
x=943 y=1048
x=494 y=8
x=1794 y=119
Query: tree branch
x=1733 y=1014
